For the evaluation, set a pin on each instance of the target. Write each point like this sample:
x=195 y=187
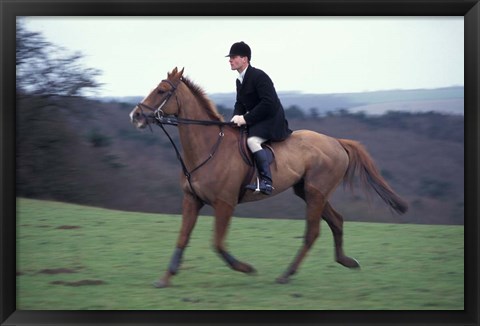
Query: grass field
x=72 y=257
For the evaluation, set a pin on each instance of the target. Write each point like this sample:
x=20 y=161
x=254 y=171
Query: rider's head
x=240 y=56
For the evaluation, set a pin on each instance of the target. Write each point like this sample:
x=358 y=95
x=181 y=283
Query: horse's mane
x=205 y=102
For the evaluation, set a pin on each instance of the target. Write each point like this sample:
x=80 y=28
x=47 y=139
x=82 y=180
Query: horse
x=311 y=163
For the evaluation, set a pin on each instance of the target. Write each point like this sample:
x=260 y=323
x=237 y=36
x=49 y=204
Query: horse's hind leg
x=223 y=215
x=315 y=204
x=335 y=222
x=191 y=207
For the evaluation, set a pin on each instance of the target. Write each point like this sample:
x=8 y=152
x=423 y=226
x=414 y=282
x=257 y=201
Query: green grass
x=404 y=267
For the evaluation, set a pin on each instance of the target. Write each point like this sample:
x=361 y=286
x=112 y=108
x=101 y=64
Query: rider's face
x=238 y=63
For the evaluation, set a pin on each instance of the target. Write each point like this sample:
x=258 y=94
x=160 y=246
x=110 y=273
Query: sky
x=304 y=54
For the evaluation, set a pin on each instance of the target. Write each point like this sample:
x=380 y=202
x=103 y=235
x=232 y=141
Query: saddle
x=247 y=157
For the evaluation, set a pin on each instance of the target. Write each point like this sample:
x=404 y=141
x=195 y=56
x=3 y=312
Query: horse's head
x=159 y=101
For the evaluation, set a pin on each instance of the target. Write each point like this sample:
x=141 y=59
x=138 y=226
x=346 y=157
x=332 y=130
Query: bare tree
x=46 y=69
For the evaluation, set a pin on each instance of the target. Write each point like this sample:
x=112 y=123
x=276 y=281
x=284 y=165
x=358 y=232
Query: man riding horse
x=311 y=163
x=258 y=107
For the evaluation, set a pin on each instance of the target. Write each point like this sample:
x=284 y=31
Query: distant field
x=446 y=106
x=442 y=99
x=72 y=257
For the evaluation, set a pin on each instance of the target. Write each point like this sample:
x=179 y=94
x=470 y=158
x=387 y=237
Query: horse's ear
x=173 y=73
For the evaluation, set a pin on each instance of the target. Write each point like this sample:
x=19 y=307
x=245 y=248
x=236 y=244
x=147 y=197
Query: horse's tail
x=362 y=163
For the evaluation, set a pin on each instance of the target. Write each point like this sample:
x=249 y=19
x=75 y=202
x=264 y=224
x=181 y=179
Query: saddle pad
x=247 y=154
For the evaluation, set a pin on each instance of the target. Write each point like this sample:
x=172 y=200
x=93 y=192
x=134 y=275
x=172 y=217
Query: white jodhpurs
x=255 y=143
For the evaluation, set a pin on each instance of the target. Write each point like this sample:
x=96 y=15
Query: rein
x=161 y=120
x=186 y=172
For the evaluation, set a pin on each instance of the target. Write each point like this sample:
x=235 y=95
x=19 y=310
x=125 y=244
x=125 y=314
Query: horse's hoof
x=356 y=265
x=252 y=271
x=160 y=284
x=282 y=280
x=349 y=262
x=245 y=268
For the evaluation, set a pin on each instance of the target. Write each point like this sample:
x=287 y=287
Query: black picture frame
x=10 y=9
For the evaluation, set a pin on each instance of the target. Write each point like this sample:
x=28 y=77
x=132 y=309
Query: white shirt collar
x=242 y=75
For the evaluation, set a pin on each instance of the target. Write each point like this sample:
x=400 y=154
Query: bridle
x=157 y=113
x=161 y=119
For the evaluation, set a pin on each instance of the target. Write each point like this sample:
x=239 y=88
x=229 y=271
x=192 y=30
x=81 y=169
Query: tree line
x=46 y=69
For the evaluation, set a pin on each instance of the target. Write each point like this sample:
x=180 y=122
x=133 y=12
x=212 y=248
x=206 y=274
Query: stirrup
x=256 y=188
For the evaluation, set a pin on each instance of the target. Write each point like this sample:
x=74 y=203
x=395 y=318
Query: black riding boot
x=265 y=176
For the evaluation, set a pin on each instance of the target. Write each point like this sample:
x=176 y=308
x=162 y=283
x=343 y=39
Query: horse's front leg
x=223 y=214
x=190 y=209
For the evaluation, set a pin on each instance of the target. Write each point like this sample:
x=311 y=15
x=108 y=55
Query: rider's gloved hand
x=239 y=120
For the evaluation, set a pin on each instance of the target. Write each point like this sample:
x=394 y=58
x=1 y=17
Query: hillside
x=87 y=152
x=446 y=100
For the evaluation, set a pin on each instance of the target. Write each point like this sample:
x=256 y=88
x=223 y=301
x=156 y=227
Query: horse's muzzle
x=138 y=119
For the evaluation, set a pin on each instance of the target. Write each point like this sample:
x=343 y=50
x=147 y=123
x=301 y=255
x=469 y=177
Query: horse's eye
x=160 y=91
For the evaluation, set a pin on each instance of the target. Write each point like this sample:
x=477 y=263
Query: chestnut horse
x=214 y=171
